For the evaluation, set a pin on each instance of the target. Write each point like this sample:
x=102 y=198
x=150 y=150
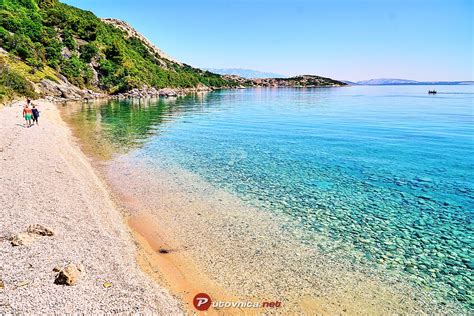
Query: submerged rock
x=424 y=179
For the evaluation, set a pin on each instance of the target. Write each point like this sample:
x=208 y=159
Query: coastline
x=46 y=179
x=216 y=244
x=246 y=251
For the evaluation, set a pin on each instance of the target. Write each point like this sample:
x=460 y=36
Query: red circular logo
x=202 y=301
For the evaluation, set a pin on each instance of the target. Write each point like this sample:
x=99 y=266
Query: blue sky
x=342 y=39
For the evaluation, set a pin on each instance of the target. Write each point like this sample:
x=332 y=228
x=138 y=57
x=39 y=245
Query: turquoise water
x=386 y=171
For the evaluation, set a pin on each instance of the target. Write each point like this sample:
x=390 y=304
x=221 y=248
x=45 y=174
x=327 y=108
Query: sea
x=386 y=170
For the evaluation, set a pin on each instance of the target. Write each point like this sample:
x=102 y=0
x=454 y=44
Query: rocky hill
x=132 y=33
x=52 y=49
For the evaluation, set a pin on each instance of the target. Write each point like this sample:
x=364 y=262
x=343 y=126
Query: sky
x=342 y=39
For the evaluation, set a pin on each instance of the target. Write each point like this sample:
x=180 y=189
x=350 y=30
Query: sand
x=45 y=179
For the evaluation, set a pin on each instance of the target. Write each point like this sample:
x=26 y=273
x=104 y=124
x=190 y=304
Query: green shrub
x=88 y=52
x=12 y=83
x=46 y=3
x=77 y=72
x=68 y=40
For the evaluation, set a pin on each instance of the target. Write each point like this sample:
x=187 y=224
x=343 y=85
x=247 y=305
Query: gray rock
x=66 y=53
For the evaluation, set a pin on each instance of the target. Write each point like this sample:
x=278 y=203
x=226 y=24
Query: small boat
x=432 y=92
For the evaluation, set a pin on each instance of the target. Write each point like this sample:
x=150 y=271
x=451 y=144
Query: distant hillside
x=244 y=73
x=388 y=82
x=305 y=81
x=48 y=48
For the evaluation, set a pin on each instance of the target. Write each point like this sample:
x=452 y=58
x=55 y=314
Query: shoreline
x=244 y=250
x=150 y=93
x=190 y=215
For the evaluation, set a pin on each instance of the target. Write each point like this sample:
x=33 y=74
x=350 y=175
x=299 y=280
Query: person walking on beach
x=36 y=114
x=27 y=113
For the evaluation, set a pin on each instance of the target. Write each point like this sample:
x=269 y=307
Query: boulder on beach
x=69 y=275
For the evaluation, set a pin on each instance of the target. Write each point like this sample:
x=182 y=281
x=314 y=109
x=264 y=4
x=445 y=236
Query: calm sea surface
x=386 y=171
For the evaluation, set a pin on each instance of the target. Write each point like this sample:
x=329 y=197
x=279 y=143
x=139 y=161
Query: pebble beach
x=46 y=180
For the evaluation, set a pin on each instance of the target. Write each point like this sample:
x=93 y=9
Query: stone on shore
x=22 y=239
x=40 y=230
x=69 y=275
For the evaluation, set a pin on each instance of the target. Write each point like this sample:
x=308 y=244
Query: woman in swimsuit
x=27 y=115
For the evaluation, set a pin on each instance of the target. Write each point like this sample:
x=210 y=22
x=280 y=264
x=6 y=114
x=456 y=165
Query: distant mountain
x=393 y=82
x=245 y=73
x=385 y=81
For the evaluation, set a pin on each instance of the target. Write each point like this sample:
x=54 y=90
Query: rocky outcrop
x=131 y=32
x=151 y=92
x=65 y=90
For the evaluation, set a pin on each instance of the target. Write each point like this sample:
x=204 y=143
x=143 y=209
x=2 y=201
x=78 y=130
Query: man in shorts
x=27 y=114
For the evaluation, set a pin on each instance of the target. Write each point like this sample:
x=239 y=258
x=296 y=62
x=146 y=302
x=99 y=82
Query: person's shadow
x=21 y=125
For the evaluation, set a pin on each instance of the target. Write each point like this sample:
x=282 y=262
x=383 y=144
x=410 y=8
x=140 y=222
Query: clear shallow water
x=385 y=171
